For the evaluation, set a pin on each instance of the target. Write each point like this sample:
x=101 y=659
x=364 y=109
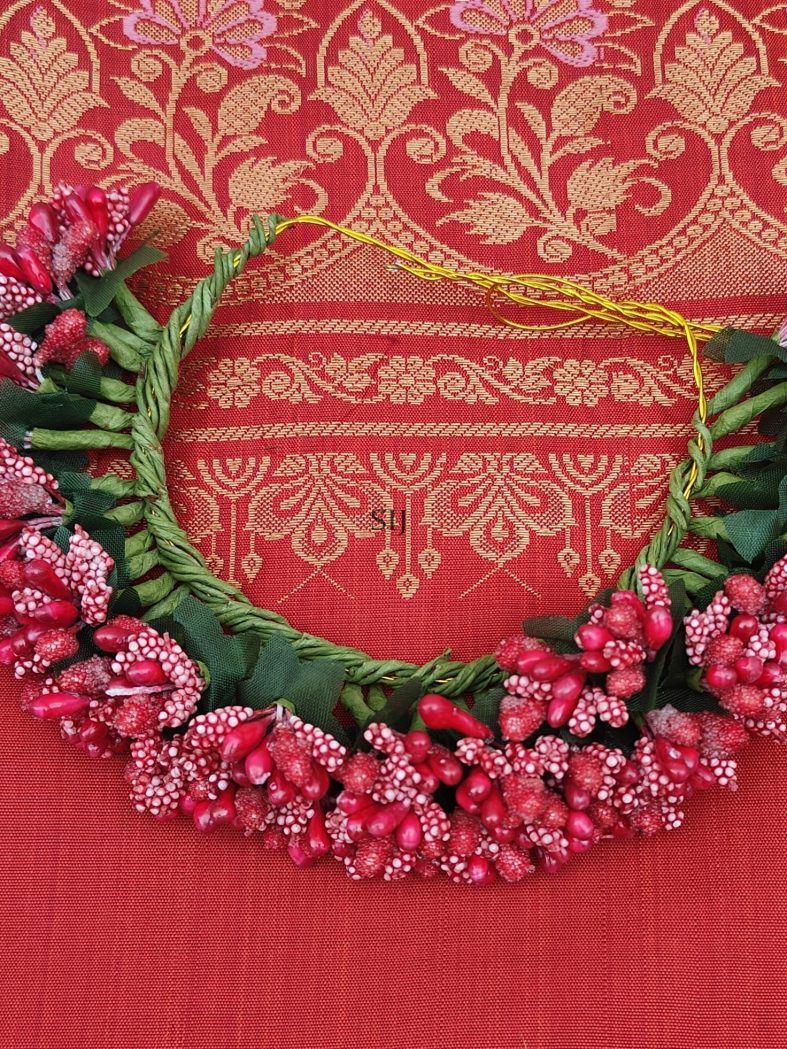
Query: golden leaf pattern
x=372 y=87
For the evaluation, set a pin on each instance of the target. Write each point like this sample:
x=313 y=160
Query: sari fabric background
x=638 y=146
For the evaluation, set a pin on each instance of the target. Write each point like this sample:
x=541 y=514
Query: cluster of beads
x=580 y=688
x=80 y=227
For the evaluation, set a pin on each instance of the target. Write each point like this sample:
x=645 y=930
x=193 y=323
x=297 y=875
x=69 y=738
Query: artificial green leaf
x=733 y=346
x=750 y=531
x=55 y=411
x=314 y=692
x=487 y=705
x=34 y=318
x=396 y=711
x=229 y=656
x=548 y=628
x=276 y=666
x=98 y=292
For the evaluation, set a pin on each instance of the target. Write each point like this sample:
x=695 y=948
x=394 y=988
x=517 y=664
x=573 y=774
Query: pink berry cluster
x=146 y=684
x=409 y=805
x=593 y=685
x=25 y=490
x=740 y=642
x=80 y=227
x=47 y=595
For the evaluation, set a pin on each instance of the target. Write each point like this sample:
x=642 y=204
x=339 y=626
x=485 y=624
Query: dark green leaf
x=34 y=318
x=486 y=706
x=739 y=346
x=57 y=411
x=548 y=628
x=396 y=711
x=314 y=692
x=227 y=656
x=276 y=666
x=98 y=292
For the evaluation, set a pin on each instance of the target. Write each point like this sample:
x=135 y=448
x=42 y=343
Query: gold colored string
x=539 y=291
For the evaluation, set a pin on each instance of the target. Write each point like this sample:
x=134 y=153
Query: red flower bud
x=550 y=668
x=418 y=744
x=579 y=825
x=41 y=575
x=112 y=638
x=259 y=764
x=57 y=613
x=409 y=833
x=202 y=816
x=528 y=659
x=317 y=838
x=280 y=791
x=438 y=712
x=97 y=207
x=76 y=209
x=299 y=856
x=719 y=677
x=147 y=673
x=429 y=781
x=478 y=868
x=34 y=273
x=445 y=767
x=43 y=218
x=384 y=819
x=243 y=739
x=222 y=810
x=703 y=778
x=658 y=627
x=744 y=626
x=9 y=263
x=594 y=662
x=493 y=810
x=749 y=669
x=771 y=675
x=577 y=797
x=59 y=705
x=142 y=200
x=350 y=803
x=592 y=637
x=316 y=785
x=565 y=695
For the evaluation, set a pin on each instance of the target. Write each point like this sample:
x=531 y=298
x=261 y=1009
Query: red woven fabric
x=639 y=149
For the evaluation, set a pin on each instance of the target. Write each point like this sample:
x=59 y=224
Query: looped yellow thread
x=577 y=298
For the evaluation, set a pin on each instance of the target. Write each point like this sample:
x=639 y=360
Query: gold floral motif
x=406 y=380
x=232 y=383
x=45 y=91
x=373 y=88
x=580 y=382
x=712 y=82
x=379 y=378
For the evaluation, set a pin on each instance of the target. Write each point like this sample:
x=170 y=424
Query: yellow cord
x=566 y=295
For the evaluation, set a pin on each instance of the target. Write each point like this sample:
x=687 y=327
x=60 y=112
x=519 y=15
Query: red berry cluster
x=80 y=227
x=740 y=641
x=148 y=683
x=47 y=594
x=577 y=689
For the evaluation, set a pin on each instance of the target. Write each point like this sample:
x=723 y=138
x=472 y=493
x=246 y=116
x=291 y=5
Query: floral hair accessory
x=572 y=732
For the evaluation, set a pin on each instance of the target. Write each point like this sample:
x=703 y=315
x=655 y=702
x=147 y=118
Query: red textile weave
x=637 y=146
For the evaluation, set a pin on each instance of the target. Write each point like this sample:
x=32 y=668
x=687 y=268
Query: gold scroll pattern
x=563 y=129
x=320 y=505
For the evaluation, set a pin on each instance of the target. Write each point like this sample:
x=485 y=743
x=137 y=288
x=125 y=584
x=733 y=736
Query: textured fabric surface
x=638 y=146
